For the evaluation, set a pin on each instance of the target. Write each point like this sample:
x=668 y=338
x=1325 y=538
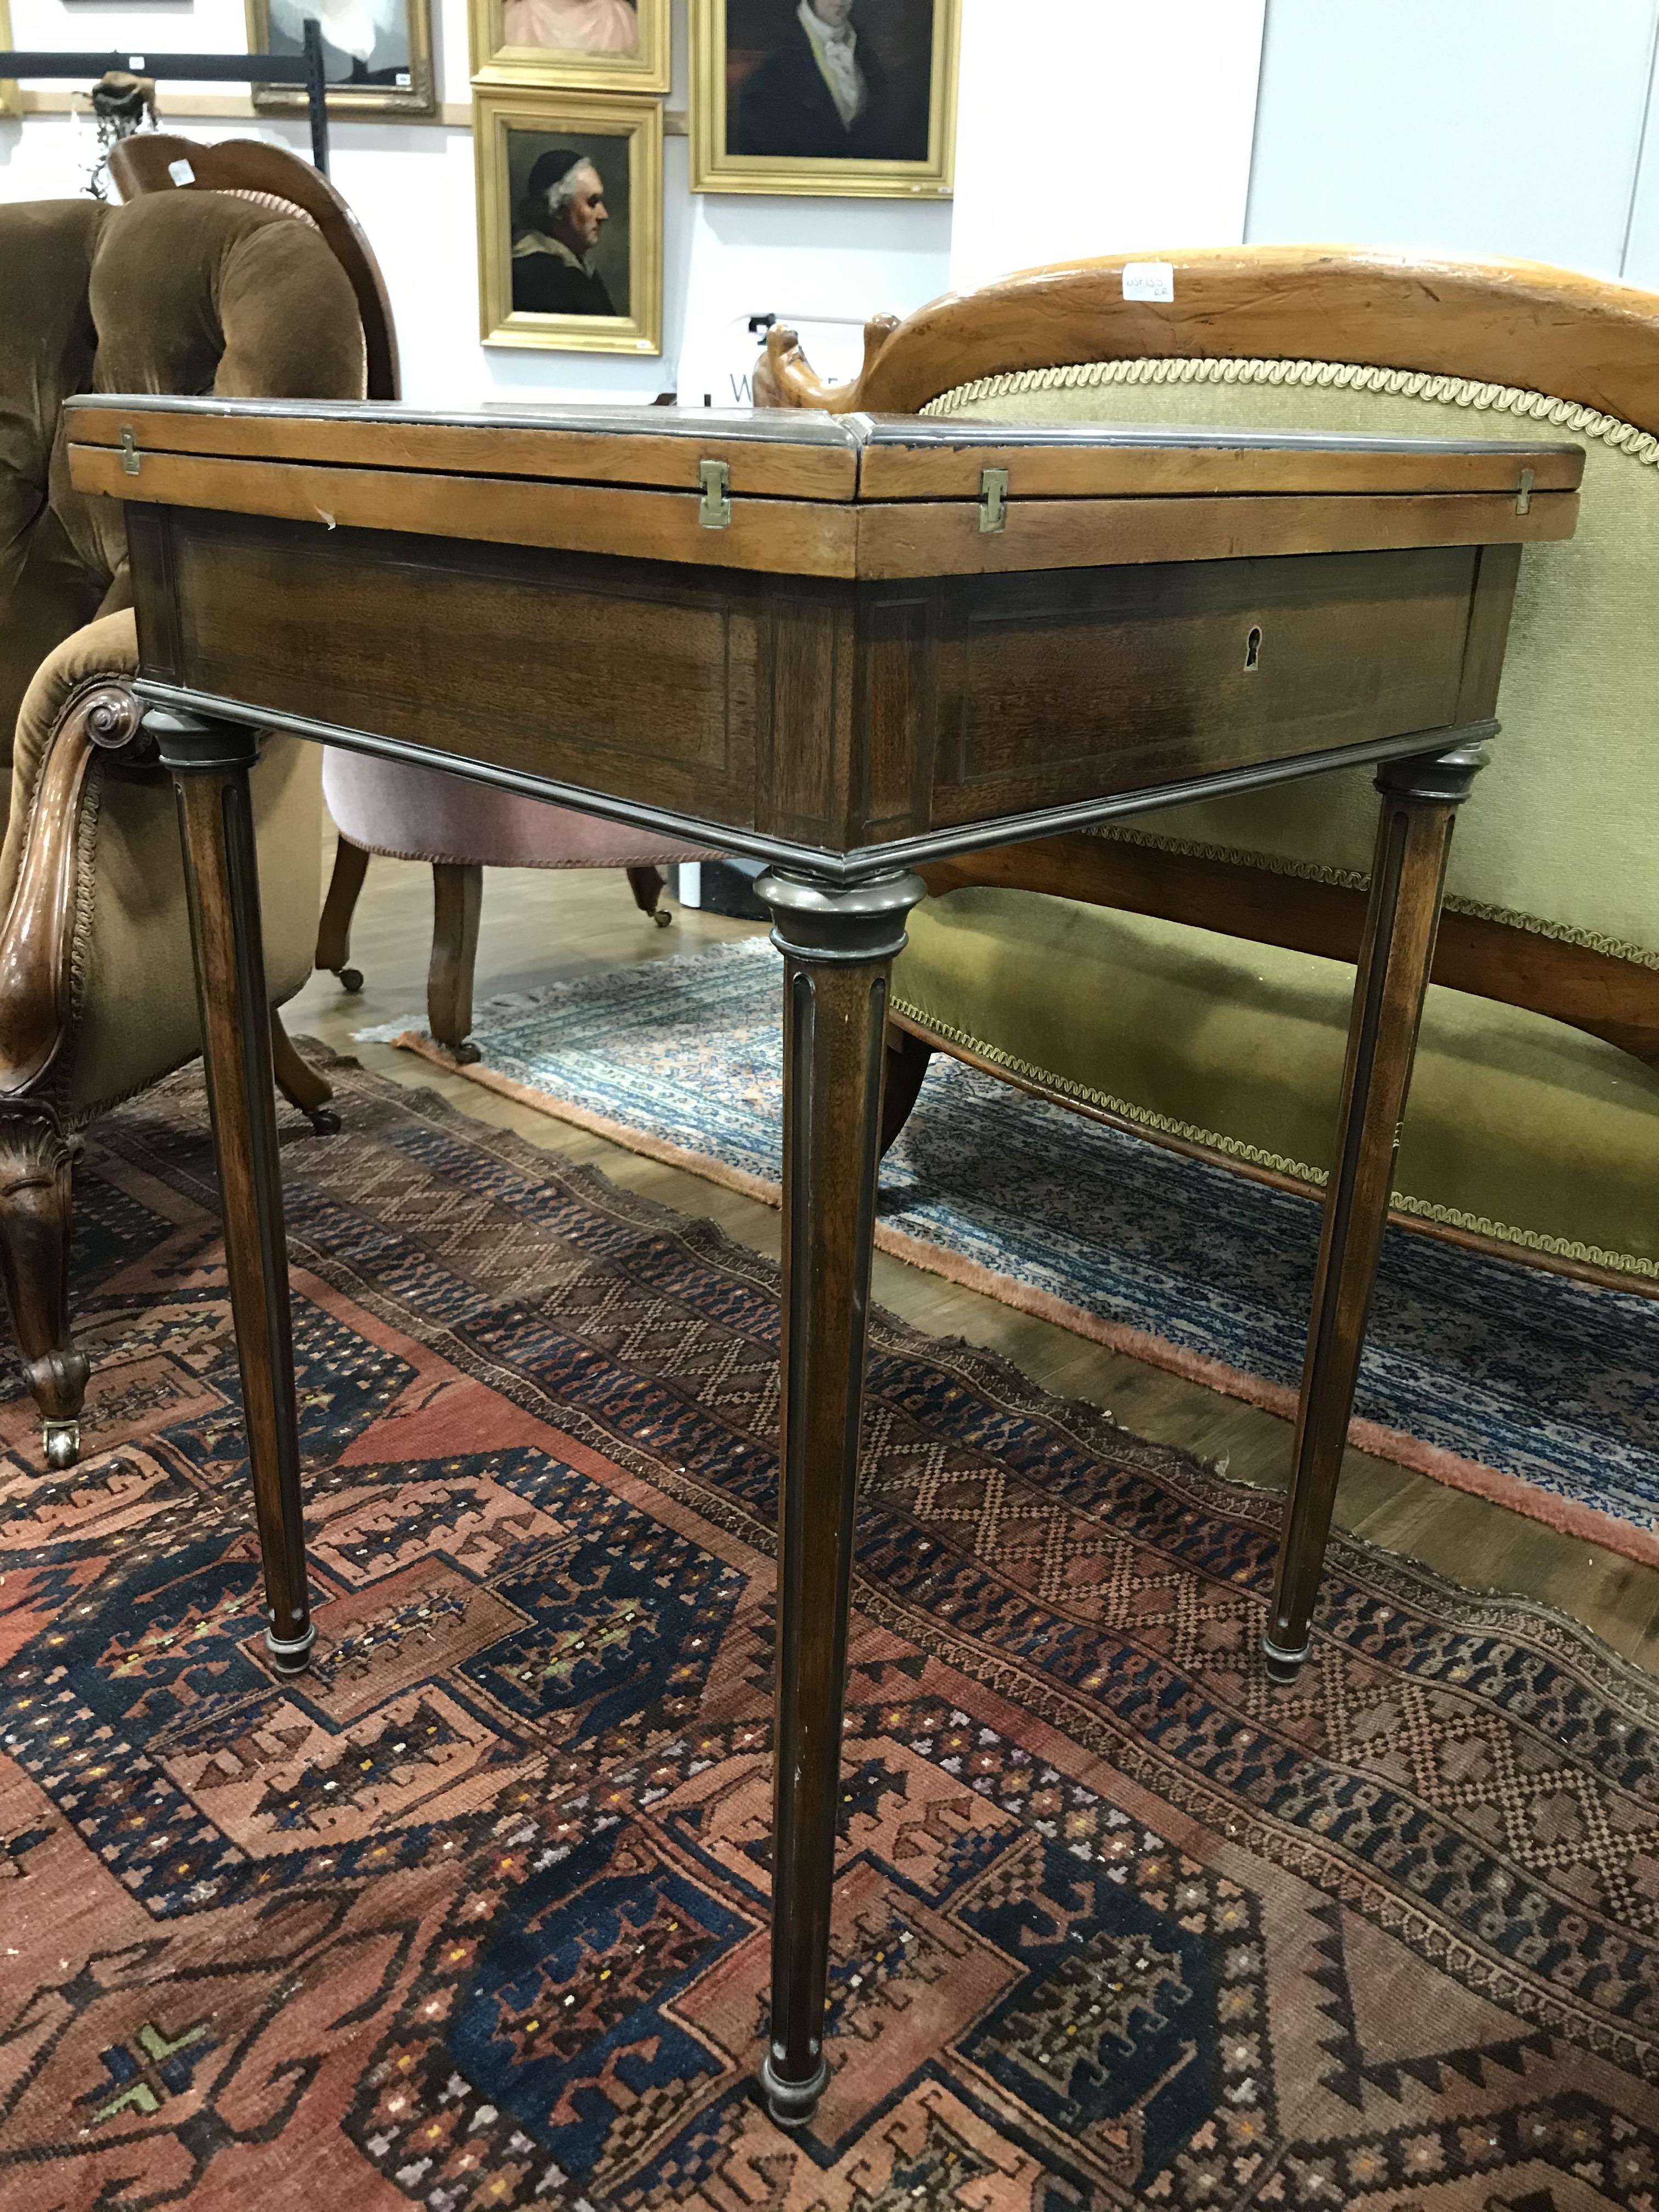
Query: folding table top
x=854 y=496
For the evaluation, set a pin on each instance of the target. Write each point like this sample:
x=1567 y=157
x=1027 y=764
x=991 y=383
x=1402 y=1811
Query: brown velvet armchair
x=189 y=291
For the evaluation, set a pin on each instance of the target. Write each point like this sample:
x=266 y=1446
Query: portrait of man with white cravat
x=824 y=92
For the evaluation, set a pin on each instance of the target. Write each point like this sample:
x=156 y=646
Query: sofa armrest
x=80 y=708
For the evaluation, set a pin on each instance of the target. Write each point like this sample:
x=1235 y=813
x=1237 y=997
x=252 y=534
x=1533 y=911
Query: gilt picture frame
x=824 y=97
x=11 y=97
x=580 y=45
x=544 y=281
x=394 y=77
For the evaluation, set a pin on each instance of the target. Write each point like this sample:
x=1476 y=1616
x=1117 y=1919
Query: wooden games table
x=843 y=646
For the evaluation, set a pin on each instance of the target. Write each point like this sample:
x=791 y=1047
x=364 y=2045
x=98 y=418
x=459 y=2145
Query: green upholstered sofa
x=1196 y=984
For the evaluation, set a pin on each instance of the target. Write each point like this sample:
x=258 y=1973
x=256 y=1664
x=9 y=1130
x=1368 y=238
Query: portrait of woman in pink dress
x=582 y=27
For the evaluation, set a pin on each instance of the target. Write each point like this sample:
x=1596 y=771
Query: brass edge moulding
x=864 y=862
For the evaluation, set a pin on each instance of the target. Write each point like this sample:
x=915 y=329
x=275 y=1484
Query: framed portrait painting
x=569 y=220
x=592 y=45
x=825 y=96
x=377 y=54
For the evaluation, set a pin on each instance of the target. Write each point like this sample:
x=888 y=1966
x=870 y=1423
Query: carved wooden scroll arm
x=36 y=943
x=785 y=378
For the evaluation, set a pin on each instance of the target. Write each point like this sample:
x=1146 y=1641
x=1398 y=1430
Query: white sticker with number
x=1149 y=280
x=181 y=173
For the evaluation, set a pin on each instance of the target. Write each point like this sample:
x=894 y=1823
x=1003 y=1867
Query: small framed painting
x=825 y=96
x=591 y=45
x=377 y=54
x=11 y=99
x=569 y=220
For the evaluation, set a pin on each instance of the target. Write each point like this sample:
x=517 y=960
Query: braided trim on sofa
x=1344 y=375
x=1446 y=1217
x=271 y=200
x=1195 y=848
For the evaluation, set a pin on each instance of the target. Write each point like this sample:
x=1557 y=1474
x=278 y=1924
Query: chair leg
x=299 y=1083
x=906 y=1064
x=646 y=883
x=36 y=1164
x=334 y=929
x=457 y=897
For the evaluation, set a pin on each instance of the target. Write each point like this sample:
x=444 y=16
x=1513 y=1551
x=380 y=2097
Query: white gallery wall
x=730 y=255
x=1525 y=127
x=1094 y=128
x=1514 y=128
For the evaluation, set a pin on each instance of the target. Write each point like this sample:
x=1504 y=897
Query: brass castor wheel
x=661 y=917
x=325 y=1120
x=792 y=2104
x=467 y=1053
x=1282 y=1666
x=293 y=1656
x=61 y=1442
x=351 y=979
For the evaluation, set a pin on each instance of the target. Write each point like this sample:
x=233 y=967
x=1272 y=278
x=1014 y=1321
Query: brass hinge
x=716 y=511
x=992 y=499
x=1524 y=497
x=129 y=450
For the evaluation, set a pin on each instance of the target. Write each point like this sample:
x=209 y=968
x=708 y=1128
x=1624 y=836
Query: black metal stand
x=305 y=69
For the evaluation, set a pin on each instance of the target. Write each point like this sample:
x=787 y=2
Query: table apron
x=871 y=860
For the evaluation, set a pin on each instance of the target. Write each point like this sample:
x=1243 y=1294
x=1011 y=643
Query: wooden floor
x=538 y=927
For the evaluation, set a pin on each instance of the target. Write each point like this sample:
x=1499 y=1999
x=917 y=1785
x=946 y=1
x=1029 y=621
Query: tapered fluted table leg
x=838 y=945
x=1421 y=799
x=210 y=763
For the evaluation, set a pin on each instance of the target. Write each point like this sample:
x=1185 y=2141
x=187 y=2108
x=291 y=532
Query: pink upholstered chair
x=462 y=829
x=383 y=806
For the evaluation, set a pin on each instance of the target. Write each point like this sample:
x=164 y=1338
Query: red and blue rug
x=475 y=1915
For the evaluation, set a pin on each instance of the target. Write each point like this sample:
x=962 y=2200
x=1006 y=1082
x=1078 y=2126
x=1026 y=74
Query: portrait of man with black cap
x=556 y=234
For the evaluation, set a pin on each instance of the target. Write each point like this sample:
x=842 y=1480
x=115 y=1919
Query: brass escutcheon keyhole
x=1253 y=649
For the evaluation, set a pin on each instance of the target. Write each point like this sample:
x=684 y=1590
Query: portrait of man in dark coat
x=556 y=234
x=824 y=93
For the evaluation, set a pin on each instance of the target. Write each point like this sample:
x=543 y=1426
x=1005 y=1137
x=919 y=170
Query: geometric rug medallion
x=474 y=1915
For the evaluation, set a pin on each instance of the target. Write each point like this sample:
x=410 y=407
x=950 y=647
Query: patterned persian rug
x=1498 y=1377
x=474 y=1916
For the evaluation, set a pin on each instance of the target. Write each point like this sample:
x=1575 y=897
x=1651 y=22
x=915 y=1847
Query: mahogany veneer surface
x=853 y=661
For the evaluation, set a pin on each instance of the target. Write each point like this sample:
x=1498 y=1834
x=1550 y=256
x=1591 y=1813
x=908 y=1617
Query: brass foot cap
x=291 y=1654
x=1283 y=1666
x=61 y=1443
x=792 y=2104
